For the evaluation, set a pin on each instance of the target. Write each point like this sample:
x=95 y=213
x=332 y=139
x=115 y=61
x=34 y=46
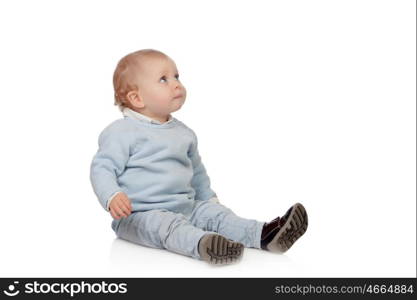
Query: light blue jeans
x=180 y=233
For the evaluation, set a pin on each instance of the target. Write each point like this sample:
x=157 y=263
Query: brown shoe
x=216 y=249
x=281 y=233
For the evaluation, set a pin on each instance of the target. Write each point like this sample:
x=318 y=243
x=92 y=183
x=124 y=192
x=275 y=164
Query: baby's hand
x=120 y=206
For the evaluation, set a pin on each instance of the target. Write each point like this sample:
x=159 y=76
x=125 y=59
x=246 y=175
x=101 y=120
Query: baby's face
x=159 y=87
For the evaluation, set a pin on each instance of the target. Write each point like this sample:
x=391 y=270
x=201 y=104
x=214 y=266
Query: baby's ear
x=134 y=99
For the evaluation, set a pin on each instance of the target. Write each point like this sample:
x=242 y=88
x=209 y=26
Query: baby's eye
x=163 y=78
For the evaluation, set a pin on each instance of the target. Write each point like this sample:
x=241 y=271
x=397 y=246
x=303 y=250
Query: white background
x=309 y=101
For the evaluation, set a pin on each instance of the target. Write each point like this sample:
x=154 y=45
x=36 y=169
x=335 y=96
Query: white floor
x=340 y=242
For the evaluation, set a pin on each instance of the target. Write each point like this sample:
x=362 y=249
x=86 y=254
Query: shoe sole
x=221 y=251
x=291 y=231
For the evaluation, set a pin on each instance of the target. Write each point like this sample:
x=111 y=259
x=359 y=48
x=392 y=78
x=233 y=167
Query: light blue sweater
x=156 y=165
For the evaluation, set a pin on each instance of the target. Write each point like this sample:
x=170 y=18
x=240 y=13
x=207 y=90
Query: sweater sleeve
x=200 y=181
x=108 y=163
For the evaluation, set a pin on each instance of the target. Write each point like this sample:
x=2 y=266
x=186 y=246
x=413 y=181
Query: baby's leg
x=216 y=217
x=161 y=229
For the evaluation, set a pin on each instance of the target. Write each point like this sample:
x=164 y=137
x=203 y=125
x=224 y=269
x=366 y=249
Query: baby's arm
x=108 y=163
x=200 y=181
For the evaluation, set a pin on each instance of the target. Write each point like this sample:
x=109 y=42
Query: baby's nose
x=177 y=84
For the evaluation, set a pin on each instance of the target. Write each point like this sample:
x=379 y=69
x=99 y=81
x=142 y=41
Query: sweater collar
x=135 y=115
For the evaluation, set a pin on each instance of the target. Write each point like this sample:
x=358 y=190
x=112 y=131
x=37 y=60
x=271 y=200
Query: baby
x=149 y=175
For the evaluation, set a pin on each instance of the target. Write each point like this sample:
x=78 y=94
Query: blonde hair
x=125 y=74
